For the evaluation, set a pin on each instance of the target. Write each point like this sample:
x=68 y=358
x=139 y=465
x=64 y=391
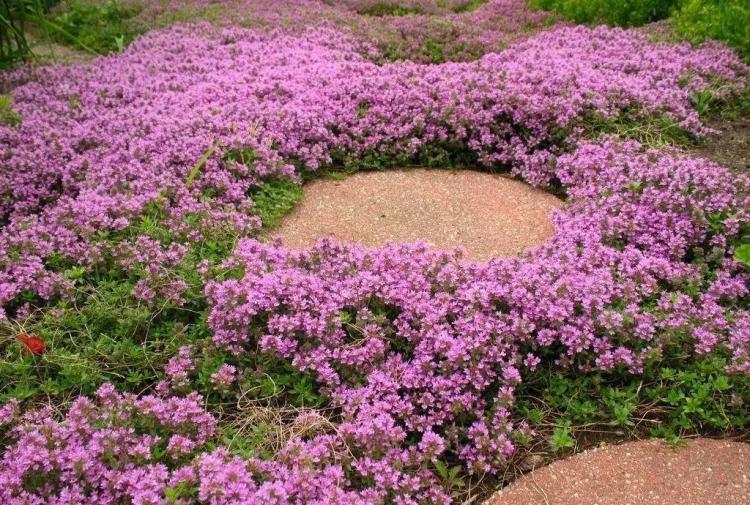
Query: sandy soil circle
x=703 y=472
x=489 y=214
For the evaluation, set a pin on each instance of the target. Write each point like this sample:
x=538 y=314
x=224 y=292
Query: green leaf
x=274 y=199
x=8 y=116
x=742 y=254
x=562 y=438
x=634 y=186
x=442 y=469
x=721 y=383
x=535 y=416
x=202 y=161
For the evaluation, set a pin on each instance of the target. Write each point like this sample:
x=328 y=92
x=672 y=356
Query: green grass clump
x=387 y=9
x=103 y=335
x=101 y=331
x=274 y=199
x=468 y=6
x=8 y=116
x=14 y=45
x=673 y=398
x=725 y=20
x=732 y=107
x=16 y=16
x=651 y=131
x=611 y=12
x=99 y=27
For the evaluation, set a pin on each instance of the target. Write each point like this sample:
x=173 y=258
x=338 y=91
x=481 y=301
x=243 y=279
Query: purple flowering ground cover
x=131 y=194
x=431 y=32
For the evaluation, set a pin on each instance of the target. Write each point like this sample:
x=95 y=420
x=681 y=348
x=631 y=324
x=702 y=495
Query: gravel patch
x=489 y=214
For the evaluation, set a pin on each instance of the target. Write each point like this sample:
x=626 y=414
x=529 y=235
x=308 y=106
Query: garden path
x=489 y=214
x=649 y=472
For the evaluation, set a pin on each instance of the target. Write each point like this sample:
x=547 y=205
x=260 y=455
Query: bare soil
x=730 y=146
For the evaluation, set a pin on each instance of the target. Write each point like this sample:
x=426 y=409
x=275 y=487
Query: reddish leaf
x=32 y=343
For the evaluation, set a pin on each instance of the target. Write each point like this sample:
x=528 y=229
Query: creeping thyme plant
x=154 y=349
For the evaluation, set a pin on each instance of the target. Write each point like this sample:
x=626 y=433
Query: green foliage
x=195 y=171
x=562 y=437
x=468 y=6
x=8 y=116
x=725 y=20
x=97 y=27
x=271 y=378
x=695 y=20
x=710 y=106
x=732 y=106
x=394 y=9
x=735 y=107
x=702 y=397
x=15 y=18
x=432 y=50
x=741 y=242
x=181 y=493
x=105 y=334
x=442 y=45
x=13 y=42
x=673 y=397
x=434 y=155
x=389 y=9
x=742 y=254
x=611 y=12
x=655 y=130
x=101 y=27
x=250 y=442
x=651 y=131
x=451 y=477
x=274 y=199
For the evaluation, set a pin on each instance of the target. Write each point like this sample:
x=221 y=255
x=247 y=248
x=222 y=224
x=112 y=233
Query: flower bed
x=99 y=144
x=419 y=30
x=422 y=351
x=418 y=352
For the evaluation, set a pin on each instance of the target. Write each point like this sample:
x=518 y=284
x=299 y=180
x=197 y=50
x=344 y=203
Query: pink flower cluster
x=224 y=377
x=153 y=451
x=106 y=452
x=179 y=367
x=101 y=144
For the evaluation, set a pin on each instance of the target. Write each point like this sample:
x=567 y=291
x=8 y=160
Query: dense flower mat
x=417 y=30
x=99 y=143
x=418 y=350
